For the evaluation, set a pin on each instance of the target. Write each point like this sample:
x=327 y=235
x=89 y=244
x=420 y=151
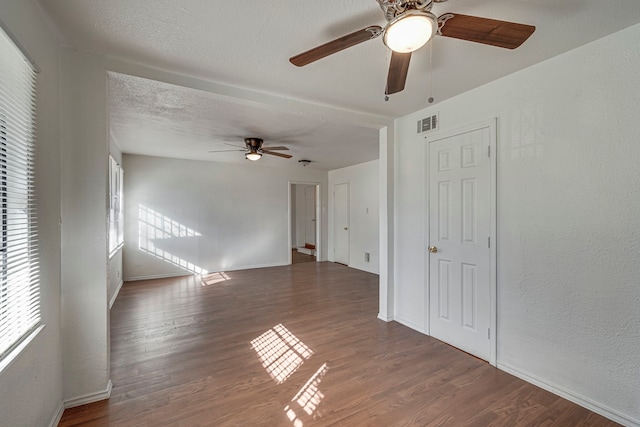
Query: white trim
x=492 y=125
x=318 y=189
x=17 y=351
x=250 y=267
x=493 y=147
x=57 y=416
x=306 y=251
x=22 y=50
x=116 y=250
x=89 y=398
x=115 y=294
x=570 y=395
x=362 y=269
x=385 y=318
x=156 y=276
x=185 y=273
x=410 y=324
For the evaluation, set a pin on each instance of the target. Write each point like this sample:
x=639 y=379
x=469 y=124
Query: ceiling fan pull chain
x=431 y=72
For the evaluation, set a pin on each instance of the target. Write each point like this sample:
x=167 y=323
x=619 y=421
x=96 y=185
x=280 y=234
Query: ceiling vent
x=428 y=124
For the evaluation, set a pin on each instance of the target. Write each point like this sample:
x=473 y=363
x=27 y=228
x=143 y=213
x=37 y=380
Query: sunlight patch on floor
x=307 y=400
x=213 y=278
x=280 y=352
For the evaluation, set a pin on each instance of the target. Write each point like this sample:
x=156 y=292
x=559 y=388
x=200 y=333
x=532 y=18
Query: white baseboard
x=571 y=396
x=250 y=267
x=115 y=294
x=385 y=318
x=57 y=416
x=156 y=276
x=186 y=273
x=89 y=398
x=363 y=268
x=410 y=324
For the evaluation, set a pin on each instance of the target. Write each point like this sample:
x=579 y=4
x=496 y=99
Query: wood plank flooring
x=298 y=257
x=296 y=346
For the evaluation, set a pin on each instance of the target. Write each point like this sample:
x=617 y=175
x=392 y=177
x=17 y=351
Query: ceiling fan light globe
x=253 y=156
x=410 y=31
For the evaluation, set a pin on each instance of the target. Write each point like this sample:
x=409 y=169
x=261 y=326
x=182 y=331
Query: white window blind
x=20 y=281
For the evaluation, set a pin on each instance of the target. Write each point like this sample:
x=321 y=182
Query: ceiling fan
x=410 y=25
x=254 y=150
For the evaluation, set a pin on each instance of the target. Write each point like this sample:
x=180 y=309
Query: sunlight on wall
x=280 y=352
x=153 y=227
x=308 y=399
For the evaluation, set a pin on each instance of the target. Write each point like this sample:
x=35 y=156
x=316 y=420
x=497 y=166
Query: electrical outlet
x=366 y=256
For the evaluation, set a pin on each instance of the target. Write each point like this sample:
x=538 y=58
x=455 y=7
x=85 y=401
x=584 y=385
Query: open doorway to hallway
x=304 y=227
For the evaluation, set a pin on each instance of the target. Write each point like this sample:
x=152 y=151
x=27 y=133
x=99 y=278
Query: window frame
x=20 y=286
x=116 y=207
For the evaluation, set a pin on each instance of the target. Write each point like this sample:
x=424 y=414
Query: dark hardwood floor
x=296 y=346
x=298 y=257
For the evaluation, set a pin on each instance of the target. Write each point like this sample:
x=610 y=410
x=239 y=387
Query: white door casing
x=461 y=231
x=310 y=215
x=341 y=223
x=296 y=215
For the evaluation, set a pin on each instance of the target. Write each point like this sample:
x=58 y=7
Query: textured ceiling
x=246 y=44
x=160 y=119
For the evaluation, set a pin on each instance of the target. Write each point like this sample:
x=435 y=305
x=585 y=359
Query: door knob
x=345 y=228
x=433 y=249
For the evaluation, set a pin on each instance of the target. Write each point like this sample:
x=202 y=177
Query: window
x=116 y=220
x=20 y=276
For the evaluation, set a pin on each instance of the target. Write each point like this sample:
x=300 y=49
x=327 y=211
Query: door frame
x=290 y=188
x=310 y=228
x=490 y=124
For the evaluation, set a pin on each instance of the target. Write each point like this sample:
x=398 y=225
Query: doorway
x=461 y=243
x=304 y=224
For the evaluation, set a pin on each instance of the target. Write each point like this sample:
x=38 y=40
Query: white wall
x=568 y=230
x=85 y=157
x=239 y=214
x=31 y=386
x=364 y=213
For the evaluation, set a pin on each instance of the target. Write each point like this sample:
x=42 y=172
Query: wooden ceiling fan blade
x=274 y=148
x=493 y=32
x=398 y=69
x=234 y=145
x=273 y=153
x=336 y=45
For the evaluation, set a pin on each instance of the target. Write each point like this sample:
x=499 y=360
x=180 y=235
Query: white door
x=341 y=223
x=310 y=215
x=459 y=231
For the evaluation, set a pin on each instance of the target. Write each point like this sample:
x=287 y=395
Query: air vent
x=428 y=124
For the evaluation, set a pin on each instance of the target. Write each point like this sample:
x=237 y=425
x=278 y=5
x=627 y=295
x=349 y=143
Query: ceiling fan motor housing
x=394 y=8
x=253 y=144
